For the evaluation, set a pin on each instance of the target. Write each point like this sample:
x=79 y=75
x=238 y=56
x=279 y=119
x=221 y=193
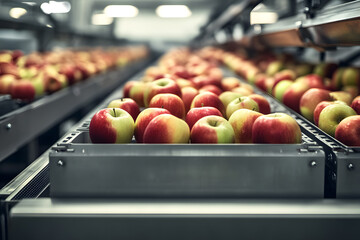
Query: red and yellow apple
x=348 y=131
x=276 y=128
x=111 y=125
x=167 y=128
x=208 y=99
x=242 y=121
x=311 y=99
x=212 y=129
x=170 y=102
x=197 y=113
x=241 y=103
x=126 y=104
x=163 y=85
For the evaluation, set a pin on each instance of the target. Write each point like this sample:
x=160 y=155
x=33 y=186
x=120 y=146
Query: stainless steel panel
x=225 y=170
x=182 y=219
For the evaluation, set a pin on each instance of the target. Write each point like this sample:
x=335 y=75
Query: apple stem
x=114 y=112
x=202 y=104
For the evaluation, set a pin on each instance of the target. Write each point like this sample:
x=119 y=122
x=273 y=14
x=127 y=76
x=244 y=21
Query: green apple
x=332 y=115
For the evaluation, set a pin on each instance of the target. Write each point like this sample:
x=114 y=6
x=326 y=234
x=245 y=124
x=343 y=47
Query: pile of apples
x=325 y=94
x=30 y=76
x=186 y=99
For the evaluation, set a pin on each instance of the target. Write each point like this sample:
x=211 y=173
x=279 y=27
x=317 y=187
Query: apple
x=216 y=73
x=29 y=72
x=244 y=91
x=212 y=129
x=181 y=72
x=6 y=81
x=229 y=83
x=311 y=99
x=227 y=97
x=285 y=74
x=137 y=92
x=293 y=94
x=127 y=87
x=5 y=57
x=280 y=88
x=163 y=85
x=126 y=104
x=242 y=121
x=353 y=90
x=169 y=101
x=167 y=128
x=269 y=84
x=351 y=77
x=260 y=81
x=263 y=103
x=72 y=74
x=336 y=81
x=187 y=95
x=143 y=120
x=240 y=103
x=55 y=82
x=197 y=113
x=203 y=80
x=9 y=68
x=303 y=69
x=348 y=131
x=320 y=106
x=251 y=75
x=341 y=96
x=332 y=115
x=276 y=128
x=274 y=67
x=181 y=82
x=325 y=69
x=111 y=125
x=211 y=88
x=356 y=104
x=312 y=81
x=208 y=99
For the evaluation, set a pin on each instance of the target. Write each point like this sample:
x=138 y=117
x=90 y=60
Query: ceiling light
x=121 y=11
x=173 y=11
x=101 y=19
x=55 y=7
x=17 y=12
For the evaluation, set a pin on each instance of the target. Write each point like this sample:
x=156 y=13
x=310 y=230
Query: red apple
x=312 y=81
x=164 y=85
x=311 y=99
x=242 y=121
x=127 y=87
x=167 y=128
x=126 y=104
x=212 y=129
x=188 y=94
x=263 y=103
x=260 y=81
x=285 y=74
x=356 y=104
x=197 y=113
x=208 y=99
x=143 y=120
x=170 y=102
x=211 y=88
x=9 y=68
x=276 y=128
x=72 y=74
x=293 y=94
x=203 y=80
x=111 y=125
x=55 y=82
x=348 y=131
